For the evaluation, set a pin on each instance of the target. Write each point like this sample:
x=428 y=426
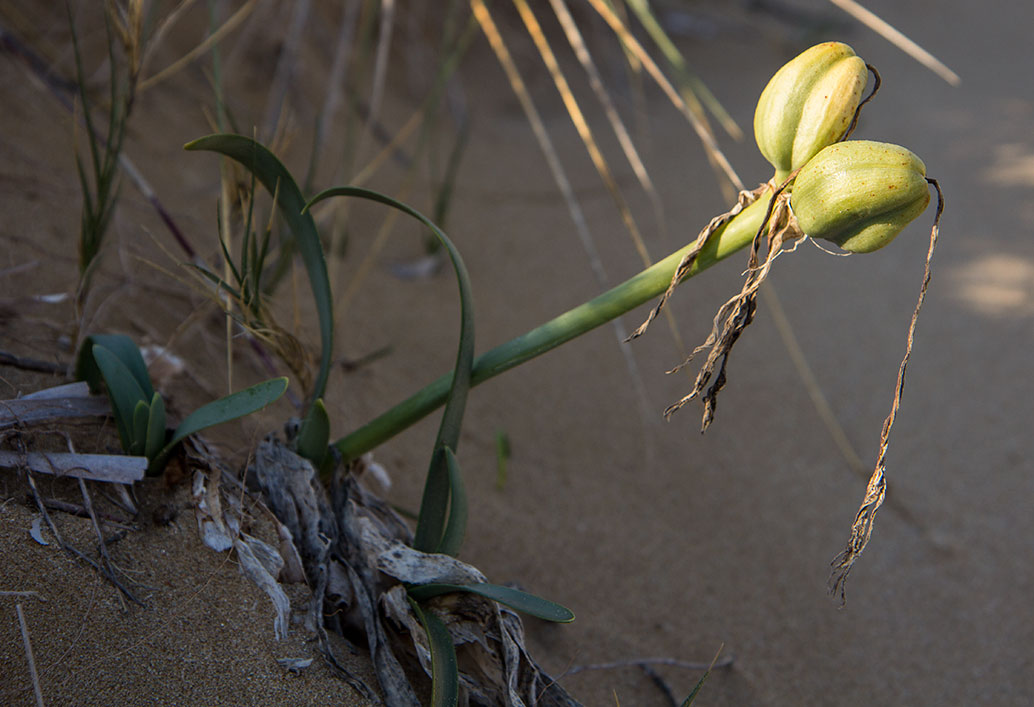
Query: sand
x=665 y=543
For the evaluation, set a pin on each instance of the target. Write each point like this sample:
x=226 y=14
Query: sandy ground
x=665 y=543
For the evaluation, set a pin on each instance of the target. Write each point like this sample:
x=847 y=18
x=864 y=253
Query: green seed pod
x=808 y=104
x=859 y=194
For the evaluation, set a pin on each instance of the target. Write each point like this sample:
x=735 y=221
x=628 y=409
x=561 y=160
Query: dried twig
x=32 y=364
x=71 y=550
x=635 y=662
x=76 y=509
x=29 y=593
x=116 y=468
x=28 y=655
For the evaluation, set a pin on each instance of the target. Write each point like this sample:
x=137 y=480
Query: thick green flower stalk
x=807 y=107
x=737 y=233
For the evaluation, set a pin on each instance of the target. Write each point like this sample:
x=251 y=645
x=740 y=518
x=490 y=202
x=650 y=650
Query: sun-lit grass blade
x=693 y=88
x=456 y=527
x=431 y=528
x=445 y=671
x=278 y=181
x=314 y=436
x=124 y=350
x=513 y=598
x=123 y=390
x=154 y=439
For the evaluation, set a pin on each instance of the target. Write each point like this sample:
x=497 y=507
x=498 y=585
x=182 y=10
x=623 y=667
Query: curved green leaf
x=278 y=181
x=513 y=598
x=456 y=528
x=314 y=435
x=222 y=410
x=124 y=350
x=123 y=391
x=155 y=435
x=231 y=407
x=430 y=528
x=445 y=671
x=141 y=414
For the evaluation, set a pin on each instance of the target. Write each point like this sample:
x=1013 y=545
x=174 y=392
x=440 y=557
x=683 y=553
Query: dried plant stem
x=737 y=233
x=28 y=654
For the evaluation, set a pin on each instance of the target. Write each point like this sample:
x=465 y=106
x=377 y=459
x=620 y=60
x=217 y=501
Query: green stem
x=649 y=283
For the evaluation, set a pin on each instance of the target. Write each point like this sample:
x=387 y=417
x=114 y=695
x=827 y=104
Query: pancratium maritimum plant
x=859 y=195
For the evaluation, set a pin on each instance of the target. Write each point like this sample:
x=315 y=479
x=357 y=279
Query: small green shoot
x=502 y=457
x=140 y=411
x=313 y=440
x=700 y=683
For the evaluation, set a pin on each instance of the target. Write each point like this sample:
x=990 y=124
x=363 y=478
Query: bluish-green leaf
x=513 y=598
x=445 y=672
x=277 y=180
x=155 y=438
x=456 y=527
x=314 y=435
x=123 y=391
x=217 y=412
x=124 y=350
x=231 y=407
x=138 y=441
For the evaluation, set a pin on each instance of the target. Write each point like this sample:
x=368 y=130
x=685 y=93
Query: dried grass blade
x=574 y=38
x=209 y=42
x=279 y=182
x=692 y=87
x=538 y=127
x=899 y=40
x=714 y=153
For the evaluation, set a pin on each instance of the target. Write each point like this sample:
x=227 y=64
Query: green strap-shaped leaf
x=231 y=407
x=430 y=529
x=155 y=437
x=123 y=391
x=314 y=435
x=513 y=598
x=219 y=411
x=456 y=527
x=124 y=350
x=277 y=180
x=445 y=671
x=138 y=441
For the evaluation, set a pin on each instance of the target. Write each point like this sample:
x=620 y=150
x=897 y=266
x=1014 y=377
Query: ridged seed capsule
x=859 y=194
x=808 y=104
